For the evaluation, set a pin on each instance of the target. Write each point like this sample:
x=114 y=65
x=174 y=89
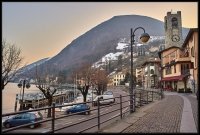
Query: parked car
x=79 y=108
x=64 y=108
x=106 y=98
x=24 y=118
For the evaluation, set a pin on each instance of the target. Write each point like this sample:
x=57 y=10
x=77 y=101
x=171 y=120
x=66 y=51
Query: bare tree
x=48 y=85
x=84 y=75
x=99 y=81
x=11 y=62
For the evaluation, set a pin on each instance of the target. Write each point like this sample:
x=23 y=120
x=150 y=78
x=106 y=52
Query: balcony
x=182 y=59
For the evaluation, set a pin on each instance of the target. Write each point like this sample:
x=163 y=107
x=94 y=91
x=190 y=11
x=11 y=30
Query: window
x=26 y=116
x=168 y=70
x=174 y=22
x=174 y=68
x=192 y=51
x=152 y=71
x=100 y=97
x=18 y=116
x=192 y=65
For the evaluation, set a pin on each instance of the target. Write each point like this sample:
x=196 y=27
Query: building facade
x=118 y=78
x=150 y=73
x=139 y=76
x=191 y=45
x=179 y=64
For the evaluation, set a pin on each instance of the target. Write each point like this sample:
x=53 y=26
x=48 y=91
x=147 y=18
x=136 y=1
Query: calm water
x=9 y=96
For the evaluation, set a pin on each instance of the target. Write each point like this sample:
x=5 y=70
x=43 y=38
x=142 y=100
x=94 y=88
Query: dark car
x=23 y=118
x=83 y=108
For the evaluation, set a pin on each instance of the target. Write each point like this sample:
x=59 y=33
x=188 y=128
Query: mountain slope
x=103 y=39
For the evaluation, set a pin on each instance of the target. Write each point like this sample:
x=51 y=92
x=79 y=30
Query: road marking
x=63 y=123
x=81 y=119
x=68 y=122
x=45 y=131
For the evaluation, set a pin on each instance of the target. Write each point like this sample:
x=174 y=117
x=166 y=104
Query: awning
x=173 y=78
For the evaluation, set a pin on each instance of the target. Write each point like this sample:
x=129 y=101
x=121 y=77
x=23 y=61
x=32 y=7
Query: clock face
x=175 y=38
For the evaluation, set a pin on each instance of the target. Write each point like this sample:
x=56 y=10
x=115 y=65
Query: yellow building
x=117 y=78
x=179 y=64
x=191 y=43
x=139 y=76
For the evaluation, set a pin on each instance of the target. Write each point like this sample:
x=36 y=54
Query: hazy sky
x=43 y=29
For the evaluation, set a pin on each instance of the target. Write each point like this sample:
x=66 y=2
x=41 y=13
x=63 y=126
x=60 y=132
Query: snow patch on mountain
x=111 y=56
x=107 y=57
x=154 y=38
x=121 y=45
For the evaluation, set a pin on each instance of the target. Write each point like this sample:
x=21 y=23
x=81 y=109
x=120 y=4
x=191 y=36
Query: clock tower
x=173 y=29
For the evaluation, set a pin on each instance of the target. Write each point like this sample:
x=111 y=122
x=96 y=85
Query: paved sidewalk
x=173 y=114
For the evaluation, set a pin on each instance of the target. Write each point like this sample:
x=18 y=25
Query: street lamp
x=23 y=83
x=144 y=38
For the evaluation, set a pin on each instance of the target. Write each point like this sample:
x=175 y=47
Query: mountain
x=37 y=63
x=102 y=40
x=25 y=71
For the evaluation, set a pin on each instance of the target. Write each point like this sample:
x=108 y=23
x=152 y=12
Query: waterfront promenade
x=176 y=113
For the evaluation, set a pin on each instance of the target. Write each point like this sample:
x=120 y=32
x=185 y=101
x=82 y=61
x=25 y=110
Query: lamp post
x=23 y=83
x=144 y=38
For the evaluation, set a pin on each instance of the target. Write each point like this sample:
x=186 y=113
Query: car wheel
x=7 y=125
x=32 y=126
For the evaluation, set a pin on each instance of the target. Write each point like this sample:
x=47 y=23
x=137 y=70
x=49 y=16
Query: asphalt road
x=67 y=121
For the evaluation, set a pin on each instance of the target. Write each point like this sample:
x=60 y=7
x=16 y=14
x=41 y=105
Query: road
x=67 y=121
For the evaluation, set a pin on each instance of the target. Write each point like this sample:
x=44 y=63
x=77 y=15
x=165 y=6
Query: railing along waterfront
x=143 y=97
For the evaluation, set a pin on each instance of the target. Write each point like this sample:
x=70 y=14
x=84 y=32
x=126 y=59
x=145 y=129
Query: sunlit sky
x=43 y=29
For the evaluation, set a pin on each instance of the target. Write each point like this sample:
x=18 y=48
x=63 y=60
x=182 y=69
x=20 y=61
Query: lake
x=9 y=96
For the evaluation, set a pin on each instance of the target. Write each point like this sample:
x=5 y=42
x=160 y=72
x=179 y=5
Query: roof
x=159 y=53
x=191 y=31
x=151 y=61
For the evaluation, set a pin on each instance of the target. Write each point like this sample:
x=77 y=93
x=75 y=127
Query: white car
x=64 y=108
x=106 y=98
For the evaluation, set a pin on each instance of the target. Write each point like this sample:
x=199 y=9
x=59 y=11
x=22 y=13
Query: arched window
x=152 y=71
x=174 y=22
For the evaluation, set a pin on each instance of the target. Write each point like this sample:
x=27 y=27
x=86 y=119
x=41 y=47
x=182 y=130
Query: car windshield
x=108 y=93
